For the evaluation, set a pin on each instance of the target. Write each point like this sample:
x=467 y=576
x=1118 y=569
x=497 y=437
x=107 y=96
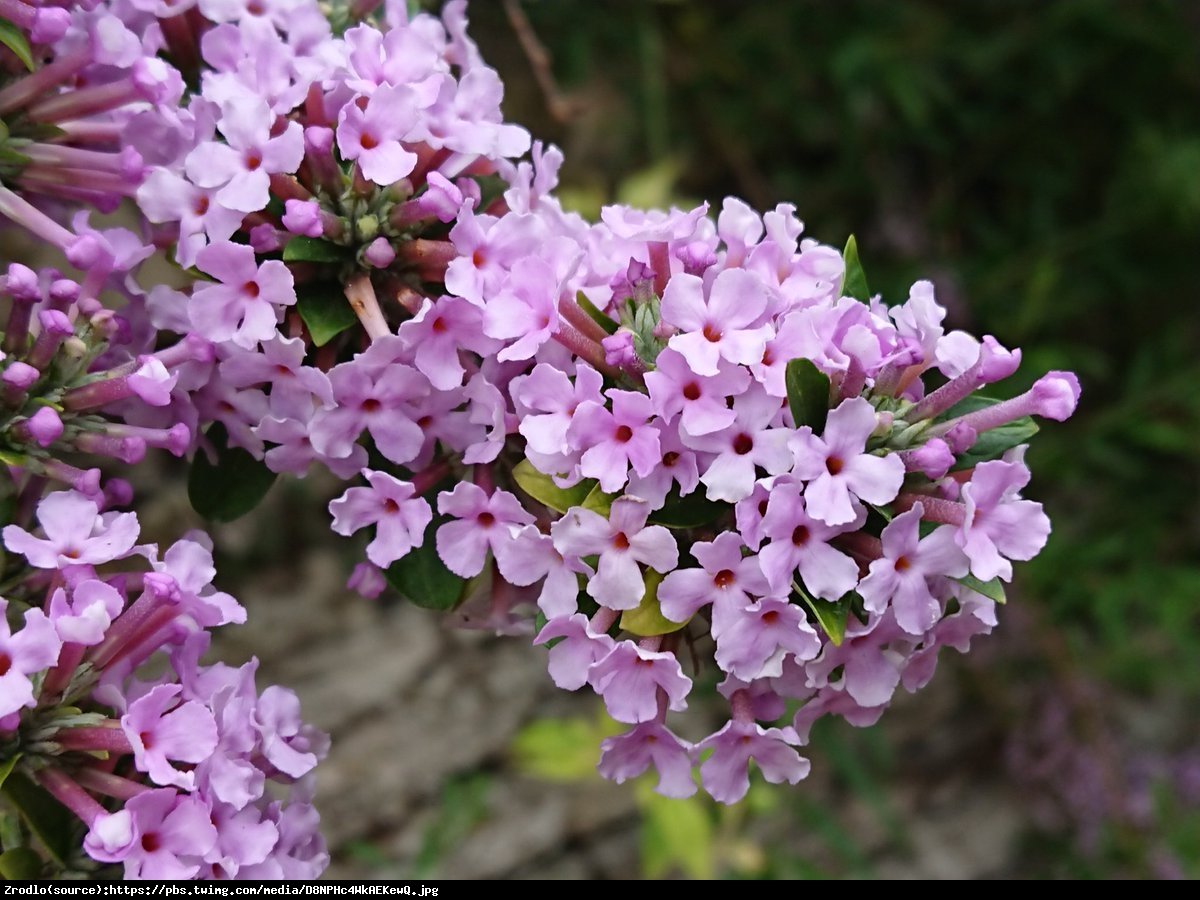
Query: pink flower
x=727 y=579
x=630 y=678
x=998 y=525
x=371 y=133
x=577 y=648
x=902 y=575
x=649 y=744
x=621 y=541
x=399 y=517
x=754 y=638
x=797 y=540
x=31 y=650
x=721 y=326
x=612 y=441
x=750 y=442
x=243 y=307
x=483 y=523
x=186 y=733
x=158 y=835
x=76 y=533
x=703 y=400
x=725 y=774
x=837 y=468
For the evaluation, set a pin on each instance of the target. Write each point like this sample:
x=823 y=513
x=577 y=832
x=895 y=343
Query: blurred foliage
x=1040 y=162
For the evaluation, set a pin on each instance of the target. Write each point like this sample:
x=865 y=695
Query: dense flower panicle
x=169 y=775
x=665 y=428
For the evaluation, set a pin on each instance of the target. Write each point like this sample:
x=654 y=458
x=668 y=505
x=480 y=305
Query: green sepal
x=854 y=284
x=646 y=619
x=541 y=487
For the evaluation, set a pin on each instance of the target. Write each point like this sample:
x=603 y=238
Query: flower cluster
x=656 y=438
x=189 y=772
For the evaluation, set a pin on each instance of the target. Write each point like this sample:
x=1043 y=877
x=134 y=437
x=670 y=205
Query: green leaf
x=807 y=394
x=559 y=749
x=14 y=39
x=20 y=864
x=691 y=511
x=676 y=834
x=325 y=311
x=423 y=579
x=230 y=488
x=48 y=819
x=993 y=590
x=307 y=249
x=600 y=318
x=541 y=487
x=992 y=444
x=855 y=282
x=7 y=766
x=646 y=619
x=830 y=616
x=599 y=502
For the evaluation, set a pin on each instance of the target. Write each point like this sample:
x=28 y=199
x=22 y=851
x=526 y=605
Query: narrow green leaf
x=993 y=590
x=807 y=394
x=423 y=579
x=830 y=616
x=855 y=282
x=7 y=766
x=600 y=318
x=48 y=819
x=691 y=511
x=230 y=488
x=307 y=249
x=20 y=864
x=325 y=311
x=646 y=619
x=14 y=39
x=541 y=487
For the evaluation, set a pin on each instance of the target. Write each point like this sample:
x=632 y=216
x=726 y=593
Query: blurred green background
x=1040 y=162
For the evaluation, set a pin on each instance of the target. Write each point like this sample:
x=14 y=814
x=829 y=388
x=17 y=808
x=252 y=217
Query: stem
x=67 y=792
x=430 y=476
x=573 y=313
x=946 y=512
x=361 y=294
x=582 y=346
x=109 y=738
x=110 y=785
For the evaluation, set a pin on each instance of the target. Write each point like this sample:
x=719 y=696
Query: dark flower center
x=624 y=434
x=724 y=578
x=834 y=465
x=903 y=564
x=251 y=289
x=486 y=519
x=370 y=405
x=150 y=842
x=368 y=141
x=619 y=541
x=5 y=664
x=800 y=535
x=691 y=391
x=743 y=444
x=770 y=617
x=670 y=458
x=390 y=506
x=712 y=333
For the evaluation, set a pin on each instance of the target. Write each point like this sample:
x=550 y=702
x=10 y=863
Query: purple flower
x=578 y=648
x=752 y=639
x=703 y=400
x=438 y=332
x=837 y=468
x=612 y=441
x=161 y=729
x=242 y=167
x=295 y=387
x=628 y=755
x=798 y=541
x=159 y=835
x=243 y=307
x=902 y=575
x=726 y=774
x=748 y=443
x=998 y=526
x=85 y=618
x=483 y=523
x=31 y=650
x=399 y=517
x=547 y=400
x=721 y=326
x=530 y=557
x=376 y=401
x=76 y=533
x=371 y=133
x=525 y=311
x=728 y=579
x=621 y=541
x=630 y=679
